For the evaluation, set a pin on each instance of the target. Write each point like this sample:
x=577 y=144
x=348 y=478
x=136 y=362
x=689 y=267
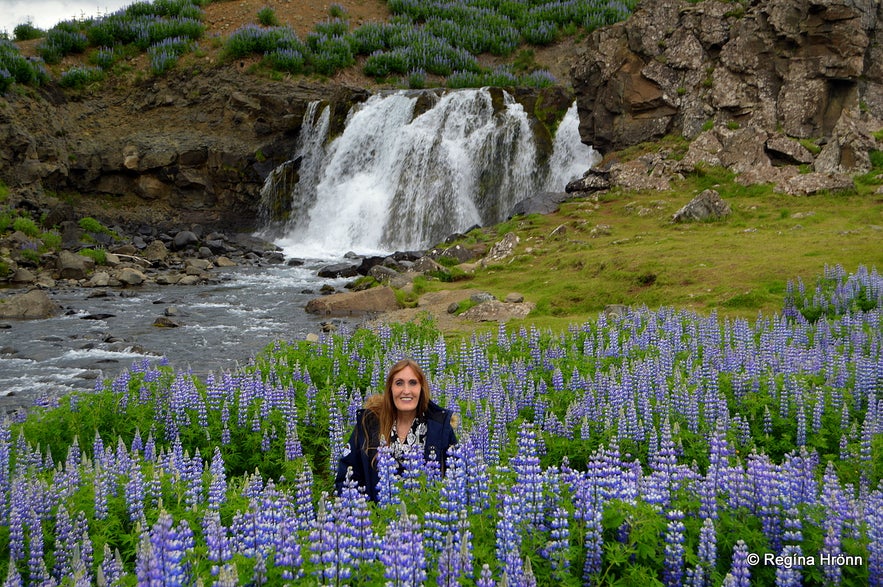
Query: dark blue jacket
x=439 y=436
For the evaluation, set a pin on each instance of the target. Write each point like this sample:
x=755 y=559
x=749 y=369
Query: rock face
x=804 y=69
x=34 y=304
x=185 y=148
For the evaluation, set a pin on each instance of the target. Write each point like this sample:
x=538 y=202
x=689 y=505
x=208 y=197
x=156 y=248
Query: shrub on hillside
x=63 y=39
x=27 y=31
x=79 y=77
x=267 y=17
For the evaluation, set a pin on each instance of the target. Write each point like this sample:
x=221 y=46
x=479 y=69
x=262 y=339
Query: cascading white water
x=570 y=157
x=394 y=180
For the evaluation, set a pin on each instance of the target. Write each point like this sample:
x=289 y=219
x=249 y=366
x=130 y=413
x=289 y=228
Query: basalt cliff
x=771 y=89
x=761 y=87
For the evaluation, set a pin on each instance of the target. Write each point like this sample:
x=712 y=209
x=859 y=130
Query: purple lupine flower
x=509 y=539
x=64 y=542
x=303 y=497
x=227 y=577
x=355 y=515
x=486 y=578
x=529 y=478
x=37 y=572
x=740 y=571
x=217 y=491
x=161 y=556
x=874 y=518
x=330 y=546
x=216 y=540
x=293 y=447
x=831 y=548
x=788 y=574
x=403 y=555
x=673 y=564
x=557 y=547
x=387 y=486
x=111 y=570
x=134 y=492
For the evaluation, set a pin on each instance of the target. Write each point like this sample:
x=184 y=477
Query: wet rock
x=165 y=322
x=338 y=270
x=97 y=316
x=458 y=252
x=542 y=203
x=34 y=304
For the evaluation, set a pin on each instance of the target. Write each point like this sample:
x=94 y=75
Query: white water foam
x=394 y=180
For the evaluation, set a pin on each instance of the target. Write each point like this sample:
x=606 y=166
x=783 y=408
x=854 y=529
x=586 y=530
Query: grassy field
x=625 y=249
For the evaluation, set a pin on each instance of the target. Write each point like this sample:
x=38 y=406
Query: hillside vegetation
x=468 y=44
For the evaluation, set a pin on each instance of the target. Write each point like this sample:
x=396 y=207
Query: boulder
x=382 y=274
x=184 y=239
x=426 y=265
x=338 y=270
x=541 y=203
x=156 y=251
x=130 y=276
x=706 y=206
x=369 y=301
x=34 y=304
x=497 y=311
x=809 y=184
x=594 y=180
x=73 y=266
x=23 y=275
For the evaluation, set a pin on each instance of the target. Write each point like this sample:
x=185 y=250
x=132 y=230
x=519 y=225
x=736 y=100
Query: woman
x=403 y=418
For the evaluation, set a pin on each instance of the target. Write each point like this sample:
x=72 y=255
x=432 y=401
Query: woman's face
x=406 y=391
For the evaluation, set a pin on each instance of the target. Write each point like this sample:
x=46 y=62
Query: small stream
x=94 y=337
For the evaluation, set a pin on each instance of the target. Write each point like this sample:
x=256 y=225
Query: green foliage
x=79 y=77
x=15 y=68
x=51 y=240
x=336 y=10
x=26 y=225
x=89 y=224
x=876 y=159
x=27 y=31
x=267 y=17
x=811 y=146
x=97 y=255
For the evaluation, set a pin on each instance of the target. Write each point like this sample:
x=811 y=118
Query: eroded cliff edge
x=798 y=69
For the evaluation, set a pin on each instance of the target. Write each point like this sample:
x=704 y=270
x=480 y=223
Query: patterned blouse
x=413 y=441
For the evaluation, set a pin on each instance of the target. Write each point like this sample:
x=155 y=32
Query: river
x=221 y=325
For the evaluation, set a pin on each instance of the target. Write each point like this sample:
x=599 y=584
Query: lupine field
x=435 y=37
x=656 y=448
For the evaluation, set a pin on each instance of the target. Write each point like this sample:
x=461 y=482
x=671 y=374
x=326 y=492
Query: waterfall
x=404 y=176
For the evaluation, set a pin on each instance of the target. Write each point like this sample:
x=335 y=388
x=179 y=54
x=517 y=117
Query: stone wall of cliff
x=180 y=149
x=799 y=69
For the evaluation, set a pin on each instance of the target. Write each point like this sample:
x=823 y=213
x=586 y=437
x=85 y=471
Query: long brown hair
x=383 y=408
